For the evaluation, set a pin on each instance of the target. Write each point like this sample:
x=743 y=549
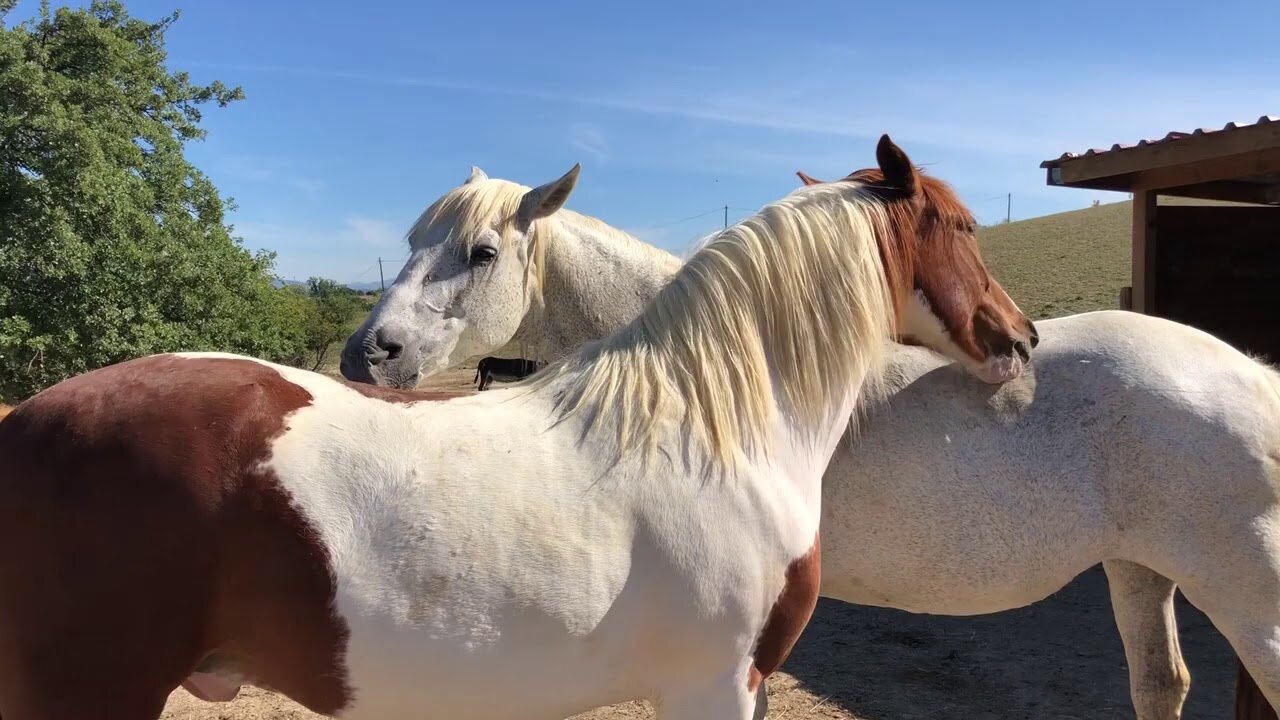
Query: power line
x=364 y=272
x=681 y=220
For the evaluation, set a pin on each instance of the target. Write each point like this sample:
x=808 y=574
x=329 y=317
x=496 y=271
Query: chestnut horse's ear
x=807 y=179
x=898 y=171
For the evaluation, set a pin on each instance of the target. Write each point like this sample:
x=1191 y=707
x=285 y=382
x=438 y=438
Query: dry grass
x=1062 y=264
x=1066 y=263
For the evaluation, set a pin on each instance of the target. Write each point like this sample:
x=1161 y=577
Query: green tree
x=112 y=245
x=329 y=317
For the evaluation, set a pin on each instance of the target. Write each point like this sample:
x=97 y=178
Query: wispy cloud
x=589 y=139
x=374 y=232
x=355 y=231
x=268 y=171
x=1006 y=111
x=346 y=252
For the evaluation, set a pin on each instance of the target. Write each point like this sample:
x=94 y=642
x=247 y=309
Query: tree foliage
x=112 y=245
x=329 y=313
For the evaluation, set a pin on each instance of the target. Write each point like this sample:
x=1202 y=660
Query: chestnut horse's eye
x=483 y=255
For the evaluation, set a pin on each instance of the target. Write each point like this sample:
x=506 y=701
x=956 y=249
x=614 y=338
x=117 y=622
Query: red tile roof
x=1173 y=136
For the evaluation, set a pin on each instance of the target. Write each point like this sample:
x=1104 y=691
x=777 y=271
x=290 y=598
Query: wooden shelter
x=1214 y=265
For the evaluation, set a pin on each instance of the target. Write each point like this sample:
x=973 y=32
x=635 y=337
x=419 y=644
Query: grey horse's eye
x=483 y=255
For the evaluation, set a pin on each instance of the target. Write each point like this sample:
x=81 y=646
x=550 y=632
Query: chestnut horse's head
x=955 y=306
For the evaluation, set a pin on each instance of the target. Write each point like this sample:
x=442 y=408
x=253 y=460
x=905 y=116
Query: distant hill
x=1066 y=263
x=362 y=287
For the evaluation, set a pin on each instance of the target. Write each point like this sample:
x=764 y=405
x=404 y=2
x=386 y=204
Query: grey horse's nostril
x=383 y=348
x=1021 y=348
x=1035 y=334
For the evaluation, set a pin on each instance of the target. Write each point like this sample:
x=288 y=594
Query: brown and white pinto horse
x=209 y=520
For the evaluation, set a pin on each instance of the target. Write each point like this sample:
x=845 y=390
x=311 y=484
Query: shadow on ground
x=1060 y=658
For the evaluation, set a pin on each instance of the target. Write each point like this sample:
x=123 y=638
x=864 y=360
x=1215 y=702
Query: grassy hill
x=1065 y=263
x=1069 y=262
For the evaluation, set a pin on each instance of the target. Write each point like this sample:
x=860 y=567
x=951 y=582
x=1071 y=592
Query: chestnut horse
x=210 y=520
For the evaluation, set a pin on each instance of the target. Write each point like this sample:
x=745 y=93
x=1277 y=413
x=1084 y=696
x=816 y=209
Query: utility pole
x=1008 y=208
x=726 y=216
x=381 y=281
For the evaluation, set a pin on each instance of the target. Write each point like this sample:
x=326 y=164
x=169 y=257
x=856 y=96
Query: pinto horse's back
x=142 y=539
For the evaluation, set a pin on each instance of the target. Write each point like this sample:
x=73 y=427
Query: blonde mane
x=798 y=289
x=489 y=204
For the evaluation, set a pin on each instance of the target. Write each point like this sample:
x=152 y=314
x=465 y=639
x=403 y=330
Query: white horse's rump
x=1133 y=438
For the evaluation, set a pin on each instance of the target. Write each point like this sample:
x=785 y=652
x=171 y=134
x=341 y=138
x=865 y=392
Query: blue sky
x=359 y=115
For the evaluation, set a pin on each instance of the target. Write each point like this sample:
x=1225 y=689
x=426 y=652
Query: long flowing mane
x=800 y=288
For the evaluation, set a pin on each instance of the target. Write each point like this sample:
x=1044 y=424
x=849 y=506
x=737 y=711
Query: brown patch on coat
x=142 y=539
x=5 y=410
x=789 y=616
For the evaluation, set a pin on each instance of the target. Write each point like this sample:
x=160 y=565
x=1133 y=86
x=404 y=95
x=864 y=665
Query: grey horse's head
x=471 y=277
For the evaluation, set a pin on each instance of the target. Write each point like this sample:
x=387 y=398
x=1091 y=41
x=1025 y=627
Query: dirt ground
x=1059 y=659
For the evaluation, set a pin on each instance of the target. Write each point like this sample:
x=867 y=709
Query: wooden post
x=1144 y=251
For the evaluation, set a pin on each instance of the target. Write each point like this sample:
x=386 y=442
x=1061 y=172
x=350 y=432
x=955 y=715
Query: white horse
x=653 y=534
x=1138 y=442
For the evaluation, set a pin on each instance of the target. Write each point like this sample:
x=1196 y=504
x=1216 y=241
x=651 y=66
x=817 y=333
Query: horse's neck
x=597 y=279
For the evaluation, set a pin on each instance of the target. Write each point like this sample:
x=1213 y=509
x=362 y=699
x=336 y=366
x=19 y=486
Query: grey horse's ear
x=476 y=175
x=546 y=199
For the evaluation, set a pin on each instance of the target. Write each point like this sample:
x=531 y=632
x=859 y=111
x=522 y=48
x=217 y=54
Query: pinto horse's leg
x=1142 y=601
x=727 y=699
